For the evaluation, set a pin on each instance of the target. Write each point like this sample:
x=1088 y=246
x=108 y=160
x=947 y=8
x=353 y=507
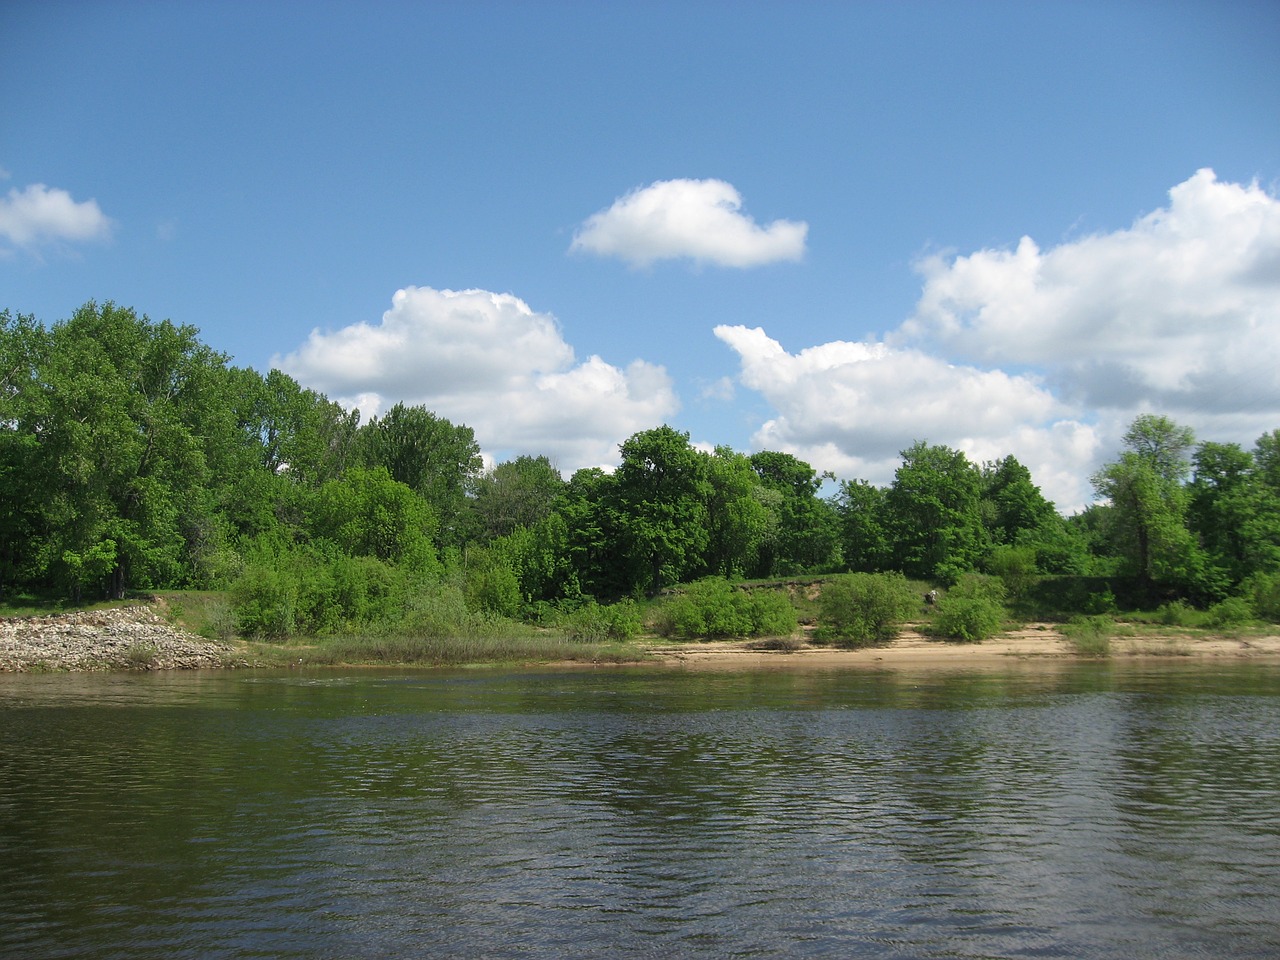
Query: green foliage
x=593 y=622
x=802 y=530
x=863 y=609
x=1263 y=591
x=971 y=611
x=491 y=585
x=307 y=592
x=862 y=514
x=436 y=459
x=713 y=608
x=1231 y=612
x=660 y=509
x=514 y=494
x=1015 y=566
x=934 y=515
x=1178 y=613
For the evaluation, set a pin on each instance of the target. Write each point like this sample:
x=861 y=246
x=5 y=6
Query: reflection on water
x=1086 y=811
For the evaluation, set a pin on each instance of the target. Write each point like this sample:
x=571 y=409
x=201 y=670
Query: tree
x=1149 y=508
x=517 y=493
x=806 y=528
x=661 y=500
x=1013 y=504
x=366 y=513
x=934 y=513
x=127 y=424
x=430 y=455
x=737 y=520
x=864 y=539
x=24 y=347
x=1222 y=500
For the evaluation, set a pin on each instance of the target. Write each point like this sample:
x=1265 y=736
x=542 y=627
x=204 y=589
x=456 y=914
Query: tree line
x=133 y=456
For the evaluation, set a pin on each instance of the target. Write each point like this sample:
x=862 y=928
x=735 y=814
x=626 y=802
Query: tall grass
x=509 y=645
x=1090 y=635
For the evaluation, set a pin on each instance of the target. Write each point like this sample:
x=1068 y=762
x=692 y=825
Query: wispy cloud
x=699 y=220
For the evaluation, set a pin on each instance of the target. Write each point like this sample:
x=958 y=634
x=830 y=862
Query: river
x=1082 y=810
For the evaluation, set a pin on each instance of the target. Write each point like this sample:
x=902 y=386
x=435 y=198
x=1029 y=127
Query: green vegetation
x=136 y=459
x=864 y=609
x=971 y=611
x=714 y=609
x=1090 y=635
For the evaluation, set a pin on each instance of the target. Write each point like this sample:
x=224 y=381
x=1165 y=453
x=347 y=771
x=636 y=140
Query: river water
x=1079 y=810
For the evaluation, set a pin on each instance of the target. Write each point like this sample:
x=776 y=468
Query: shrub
x=971 y=611
x=713 y=608
x=1229 y=613
x=863 y=609
x=1263 y=590
x=595 y=623
x=1177 y=613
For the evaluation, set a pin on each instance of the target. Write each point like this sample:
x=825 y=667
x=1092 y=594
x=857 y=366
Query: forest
x=134 y=457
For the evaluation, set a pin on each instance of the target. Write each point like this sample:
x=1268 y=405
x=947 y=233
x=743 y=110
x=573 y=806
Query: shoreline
x=1031 y=643
x=136 y=638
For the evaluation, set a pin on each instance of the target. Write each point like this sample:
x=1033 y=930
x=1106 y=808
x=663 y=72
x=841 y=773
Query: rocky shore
x=125 y=638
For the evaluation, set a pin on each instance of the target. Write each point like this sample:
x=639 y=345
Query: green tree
x=367 y=513
x=661 y=500
x=128 y=423
x=737 y=521
x=435 y=458
x=24 y=346
x=1012 y=503
x=1149 y=502
x=806 y=533
x=863 y=513
x=934 y=513
x=516 y=493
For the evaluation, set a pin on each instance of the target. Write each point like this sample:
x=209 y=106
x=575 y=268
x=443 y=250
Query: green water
x=1089 y=810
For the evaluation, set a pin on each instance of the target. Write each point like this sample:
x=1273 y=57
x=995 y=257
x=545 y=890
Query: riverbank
x=912 y=649
x=121 y=638
x=137 y=638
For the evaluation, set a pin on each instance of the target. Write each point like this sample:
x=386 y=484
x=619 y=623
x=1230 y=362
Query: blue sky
x=827 y=228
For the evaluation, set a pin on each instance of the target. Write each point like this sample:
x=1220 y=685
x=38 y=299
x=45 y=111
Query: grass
x=1090 y=636
x=542 y=647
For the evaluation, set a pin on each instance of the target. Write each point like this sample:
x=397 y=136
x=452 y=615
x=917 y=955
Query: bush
x=971 y=611
x=863 y=609
x=594 y=623
x=1263 y=591
x=1178 y=613
x=713 y=608
x=1229 y=613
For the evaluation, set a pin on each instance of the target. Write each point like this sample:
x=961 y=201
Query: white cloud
x=489 y=361
x=701 y=220
x=1179 y=312
x=851 y=407
x=39 y=214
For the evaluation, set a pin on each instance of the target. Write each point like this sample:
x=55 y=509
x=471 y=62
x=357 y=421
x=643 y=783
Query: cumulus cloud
x=38 y=215
x=852 y=407
x=1180 y=311
x=491 y=362
x=1051 y=352
x=701 y=220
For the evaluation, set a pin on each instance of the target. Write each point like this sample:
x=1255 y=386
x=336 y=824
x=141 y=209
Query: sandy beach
x=912 y=650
